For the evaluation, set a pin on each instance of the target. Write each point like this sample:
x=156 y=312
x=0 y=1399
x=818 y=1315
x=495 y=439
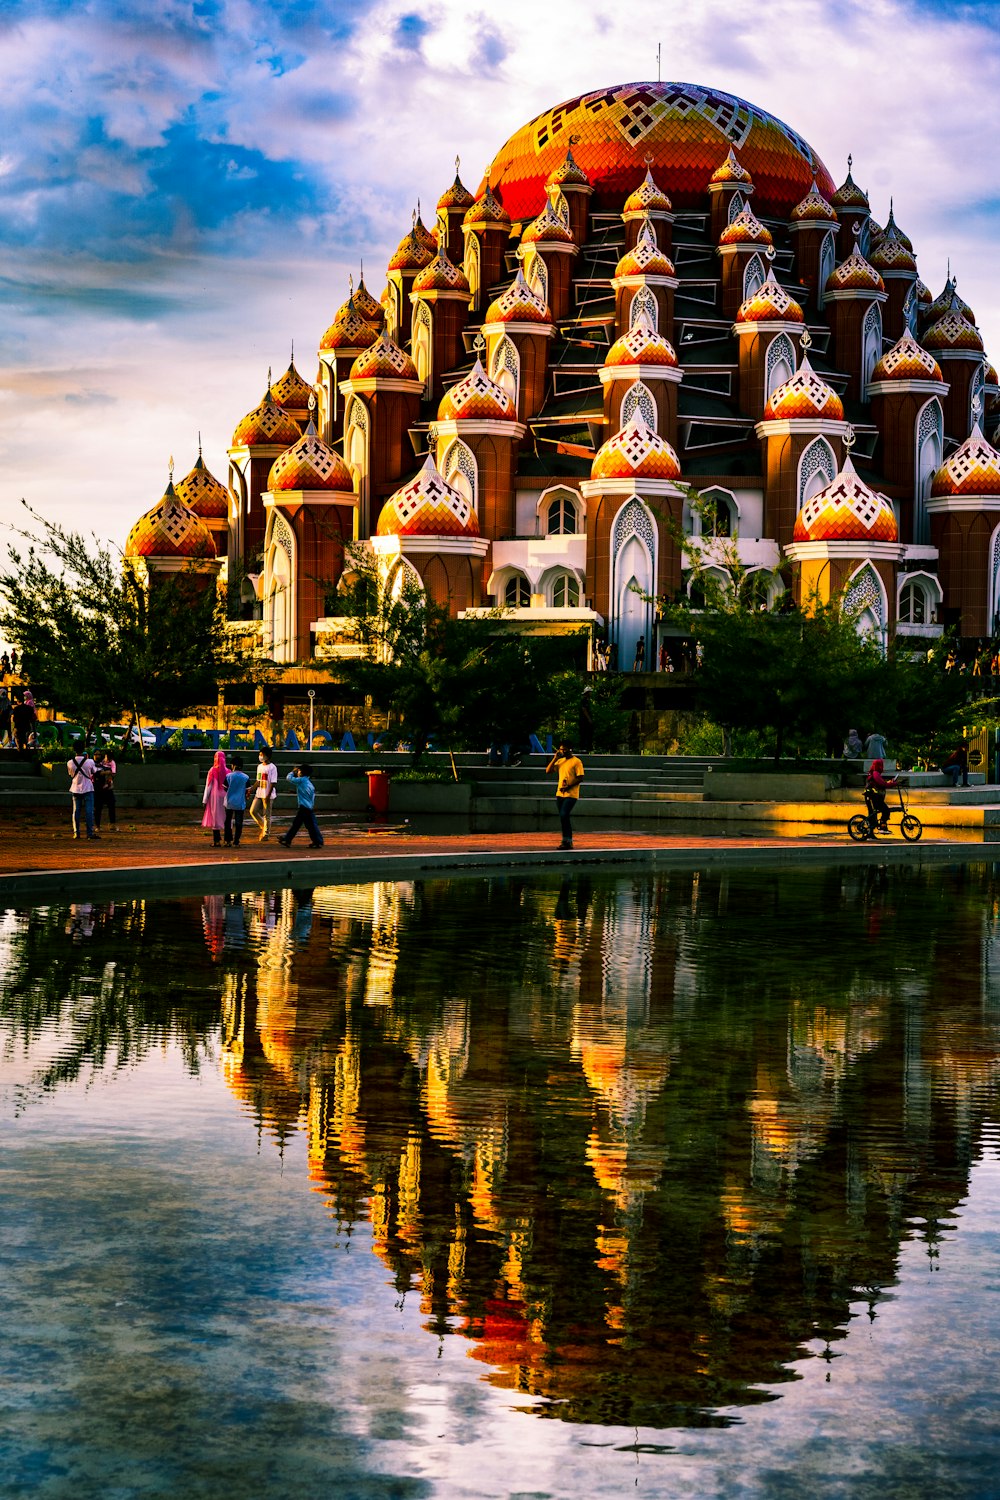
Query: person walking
x=957 y=764
x=640 y=654
x=236 y=803
x=265 y=791
x=6 y=738
x=214 y=797
x=305 y=816
x=105 y=768
x=80 y=769
x=570 y=771
x=24 y=719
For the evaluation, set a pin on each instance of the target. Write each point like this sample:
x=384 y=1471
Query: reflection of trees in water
x=643 y=1142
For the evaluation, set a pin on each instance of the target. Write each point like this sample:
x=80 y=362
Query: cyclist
x=875 y=789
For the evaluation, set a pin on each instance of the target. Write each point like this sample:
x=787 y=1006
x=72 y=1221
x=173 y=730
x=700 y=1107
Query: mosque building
x=657 y=293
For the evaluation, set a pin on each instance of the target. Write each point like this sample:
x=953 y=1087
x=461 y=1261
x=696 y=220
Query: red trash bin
x=378 y=791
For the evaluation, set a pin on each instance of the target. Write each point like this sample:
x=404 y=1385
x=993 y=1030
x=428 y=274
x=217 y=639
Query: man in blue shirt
x=236 y=801
x=305 y=817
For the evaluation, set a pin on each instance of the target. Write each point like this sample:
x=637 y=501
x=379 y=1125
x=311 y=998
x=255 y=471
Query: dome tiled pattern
x=426 y=236
x=645 y=258
x=364 y=302
x=636 y=452
x=547 y=228
x=349 y=330
x=568 y=173
x=384 y=358
x=310 y=464
x=805 y=396
x=441 y=275
x=489 y=210
x=457 y=196
x=973 y=469
x=269 y=424
x=814 y=208
x=427 y=506
x=924 y=294
x=855 y=274
x=478 y=398
x=203 y=494
x=687 y=130
x=746 y=229
x=291 y=390
x=731 y=170
x=642 y=345
x=952 y=332
x=410 y=254
x=170 y=529
x=647 y=198
x=890 y=254
x=949 y=302
x=907 y=361
x=990 y=377
x=770 y=303
x=518 y=304
x=846 y=511
x=894 y=232
x=849 y=195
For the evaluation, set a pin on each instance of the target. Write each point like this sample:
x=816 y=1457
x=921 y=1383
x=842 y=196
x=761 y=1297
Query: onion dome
x=426 y=236
x=518 y=304
x=486 y=210
x=458 y=195
x=647 y=198
x=310 y=464
x=568 y=173
x=746 y=229
x=411 y=253
x=805 y=397
x=636 y=452
x=991 y=381
x=973 y=469
x=291 y=390
x=855 y=275
x=770 y=303
x=364 y=302
x=924 y=294
x=949 y=302
x=427 y=506
x=441 y=275
x=907 y=361
x=384 y=358
x=547 y=228
x=730 y=171
x=269 y=424
x=890 y=254
x=846 y=511
x=349 y=330
x=952 y=332
x=849 y=195
x=642 y=345
x=645 y=258
x=814 y=208
x=170 y=529
x=203 y=493
x=893 y=229
x=476 y=398
x=876 y=234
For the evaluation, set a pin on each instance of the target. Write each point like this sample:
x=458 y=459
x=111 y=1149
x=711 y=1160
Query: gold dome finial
x=850 y=163
x=170 y=462
x=199 y=445
x=849 y=439
x=805 y=341
x=479 y=343
x=458 y=163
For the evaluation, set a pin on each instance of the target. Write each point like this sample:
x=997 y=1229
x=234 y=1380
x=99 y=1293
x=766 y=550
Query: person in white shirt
x=80 y=769
x=265 y=791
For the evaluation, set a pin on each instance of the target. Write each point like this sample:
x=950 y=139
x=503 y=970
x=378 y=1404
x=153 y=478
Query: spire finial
x=312 y=402
x=805 y=341
x=479 y=343
x=850 y=163
x=418 y=208
x=362 y=281
x=170 y=462
x=199 y=445
x=648 y=159
x=293 y=352
x=977 y=407
x=269 y=380
x=350 y=282
x=413 y=220
x=849 y=439
x=458 y=163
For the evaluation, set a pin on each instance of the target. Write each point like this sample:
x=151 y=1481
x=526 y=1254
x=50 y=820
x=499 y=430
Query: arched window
x=817 y=469
x=505 y=367
x=929 y=454
x=736 y=206
x=827 y=263
x=720 y=513
x=977 y=387
x=754 y=276
x=913 y=604
x=633 y=577
x=279 y=590
x=871 y=344
x=643 y=302
x=536 y=274
x=779 y=364
x=565 y=592
x=517 y=592
x=356 y=452
x=561 y=514
x=910 y=308
x=993 y=582
x=641 y=397
x=461 y=471
x=560 y=206
x=472 y=268
x=865 y=599
x=422 y=344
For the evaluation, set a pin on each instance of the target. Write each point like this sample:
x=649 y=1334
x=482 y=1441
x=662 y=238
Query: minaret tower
x=645 y=275
x=569 y=190
x=440 y=299
x=853 y=300
x=767 y=315
x=649 y=204
x=798 y=411
x=813 y=227
x=729 y=188
x=452 y=206
x=547 y=254
x=518 y=327
x=745 y=250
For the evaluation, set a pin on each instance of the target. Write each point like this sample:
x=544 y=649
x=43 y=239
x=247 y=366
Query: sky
x=185 y=185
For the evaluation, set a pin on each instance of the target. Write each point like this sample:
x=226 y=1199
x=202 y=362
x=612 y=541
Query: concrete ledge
x=752 y=786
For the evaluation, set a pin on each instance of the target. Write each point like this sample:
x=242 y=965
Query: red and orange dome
x=518 y=304
x=548 y=228
x=806 y=397
x=849 y=195
x=683 y=128
x=636 y=452
x=203 y=493
x=847 y=511
x=268 y=424
x=476 y=398
x=746 y=229
x=731 y=170
x=426 y=236
x=642 y=345
x=427 y=506
x=814 y=208
x=291 y=390
x=890 y=254
x=973 y=469
x=411 y=253
x=458 y=195
x=855 y=274
x=364 y=302
x=645 y=258
x=770 y=303
x=170 y=530
x=384 y=359
x=907 y=361
x=647 y=198
x=488 y=210
x=310 y=464
x=441 y=275
x=349 y=329
x=953 y=331
x=568 y=173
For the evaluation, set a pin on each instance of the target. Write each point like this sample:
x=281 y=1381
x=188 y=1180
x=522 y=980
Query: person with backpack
x=305 y=816
x=105 y=768
x=80 y=769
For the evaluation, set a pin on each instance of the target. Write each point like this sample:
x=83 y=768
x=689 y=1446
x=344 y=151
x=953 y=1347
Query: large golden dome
x=682 y=131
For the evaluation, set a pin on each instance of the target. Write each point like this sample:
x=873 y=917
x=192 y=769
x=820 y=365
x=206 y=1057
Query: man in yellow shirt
x=568 y=789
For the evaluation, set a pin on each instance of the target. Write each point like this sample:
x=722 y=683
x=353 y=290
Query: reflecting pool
x=678 y=1185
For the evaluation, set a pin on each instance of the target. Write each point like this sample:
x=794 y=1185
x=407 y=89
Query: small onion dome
x=990 y=378
x=876 y=234
x=366 y=305
x=385 y=357
x=805 y=396
x=568 y=173
x=548 y=227
x=973 y=469
x=203 y=493
x=268 y=423
x=924 y=294
x=478 y=398
x=645 y=258
x=949 y=301
x=636 y=452
x=441 y=275
x=730 y=170
x=890 y=254
x=291 y=390
x=892 y=228
x=849 y=195
x=770 y=303
x=458 y=195
x=310 y=464
x=426 y=236
x=907 y=361
x=746 y=229
x=411 y=253
x=647 y=198
x=518 y=304
x=813 y=208
x=349 y=330
x=952 y=332
x=170 y=529
x=855 y=274
x=642 y=345
x=846 y=511
x=427 y=506
x=486 y=210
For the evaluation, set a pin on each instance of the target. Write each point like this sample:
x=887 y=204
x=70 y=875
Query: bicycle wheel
x=859 y=828
x=911 y=827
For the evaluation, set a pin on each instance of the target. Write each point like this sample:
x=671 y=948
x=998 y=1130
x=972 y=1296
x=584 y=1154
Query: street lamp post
x=312 y=700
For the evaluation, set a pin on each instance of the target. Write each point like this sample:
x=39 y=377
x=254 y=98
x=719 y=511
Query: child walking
x=305 y=817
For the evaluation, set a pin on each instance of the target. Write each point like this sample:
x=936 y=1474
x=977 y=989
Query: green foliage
x=703 y=736
x=574 y=699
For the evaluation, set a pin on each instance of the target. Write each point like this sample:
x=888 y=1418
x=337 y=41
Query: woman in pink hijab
x=215 y=797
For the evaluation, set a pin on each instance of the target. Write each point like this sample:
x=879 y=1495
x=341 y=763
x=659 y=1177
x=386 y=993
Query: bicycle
x=862 y=826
